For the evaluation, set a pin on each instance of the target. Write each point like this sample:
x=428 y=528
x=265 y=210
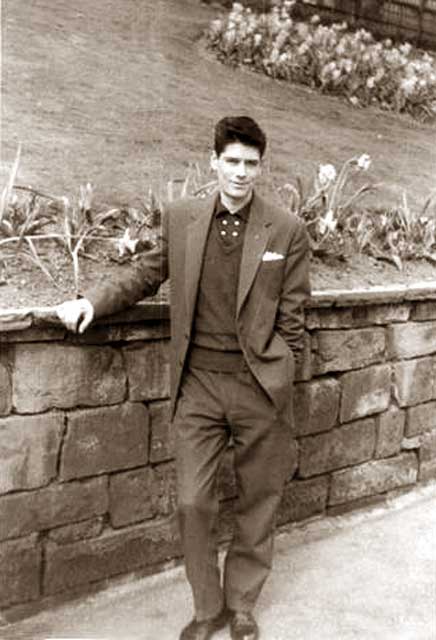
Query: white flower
x=126 y=243
x=257 y=39
x=370 y=83
x=303 y=48
x=364 y=162
x=326 y=174
x=408 y=85
x=327 y=223
x=348 y=65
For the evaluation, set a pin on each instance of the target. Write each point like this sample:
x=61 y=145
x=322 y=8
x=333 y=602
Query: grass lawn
x=121 y=94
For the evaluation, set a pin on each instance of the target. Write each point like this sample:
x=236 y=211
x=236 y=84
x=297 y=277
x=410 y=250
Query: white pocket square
x=269 y=256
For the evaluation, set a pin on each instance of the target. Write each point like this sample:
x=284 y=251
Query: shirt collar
x=242 y=213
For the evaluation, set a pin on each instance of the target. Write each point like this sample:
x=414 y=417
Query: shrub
x=329 y=58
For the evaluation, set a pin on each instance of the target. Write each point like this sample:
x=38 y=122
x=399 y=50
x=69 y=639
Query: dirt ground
x=124 y=95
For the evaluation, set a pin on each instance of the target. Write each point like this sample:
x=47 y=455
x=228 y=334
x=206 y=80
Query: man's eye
x=252 y=163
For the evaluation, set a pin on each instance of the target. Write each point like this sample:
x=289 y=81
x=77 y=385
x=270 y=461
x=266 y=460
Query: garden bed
x=28 y=287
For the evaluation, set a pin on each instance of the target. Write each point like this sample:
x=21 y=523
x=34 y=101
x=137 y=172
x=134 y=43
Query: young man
x=238 y=269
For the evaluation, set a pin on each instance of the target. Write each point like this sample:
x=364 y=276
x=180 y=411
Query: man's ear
x=213 y=161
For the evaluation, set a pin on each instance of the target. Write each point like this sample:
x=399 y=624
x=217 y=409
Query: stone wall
x=87 y=487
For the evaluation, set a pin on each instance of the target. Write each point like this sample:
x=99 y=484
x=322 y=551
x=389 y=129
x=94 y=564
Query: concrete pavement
x=370 y=575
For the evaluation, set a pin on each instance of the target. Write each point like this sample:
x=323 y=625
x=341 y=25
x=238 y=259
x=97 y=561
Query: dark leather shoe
x=243 y=626
x=204 y=629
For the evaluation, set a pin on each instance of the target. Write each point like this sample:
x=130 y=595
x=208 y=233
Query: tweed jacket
x=272 y=289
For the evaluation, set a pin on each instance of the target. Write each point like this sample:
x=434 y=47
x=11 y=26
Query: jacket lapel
x=196 y=235
x=256 y=238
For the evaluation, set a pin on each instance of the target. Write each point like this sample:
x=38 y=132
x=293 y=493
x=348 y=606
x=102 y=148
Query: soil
x=26 y=286
x=124 y=95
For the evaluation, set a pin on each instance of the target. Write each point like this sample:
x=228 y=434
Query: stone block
x=374 y=477
x=316 y=406
x=29 y=448
x=142 y=494
x=113 y=553
x=412 y=339
x=28 y=512
x=303 y=370
x=148 y=370
x=420 y=419
x=329 y=318
x=131 y=496
x=413 y=381
x=424 y=311
x=66 y=376
x=5 y=391
x=409 y=444
x=69 y=533
x=20 y=566
x=303 y=499
x=347 y=349
x=390 y=432
x=365 y=392
x=162 y=434
x=357 y=316
x=427 y=456
x=348 y=445
x=105 y=439
x=165 y=489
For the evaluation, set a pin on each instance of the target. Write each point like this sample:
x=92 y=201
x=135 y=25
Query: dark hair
x=239 y=129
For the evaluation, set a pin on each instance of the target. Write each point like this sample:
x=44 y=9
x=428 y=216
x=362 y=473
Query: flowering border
x=330 y=58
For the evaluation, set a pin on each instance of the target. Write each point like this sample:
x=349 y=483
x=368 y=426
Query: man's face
x=237 y=168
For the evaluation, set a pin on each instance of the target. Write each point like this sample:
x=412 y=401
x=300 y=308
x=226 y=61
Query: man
x=238 y=269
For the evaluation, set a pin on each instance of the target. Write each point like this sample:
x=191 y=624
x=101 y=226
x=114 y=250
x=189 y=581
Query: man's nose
x=242 y=169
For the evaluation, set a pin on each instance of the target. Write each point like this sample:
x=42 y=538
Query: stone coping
x=27 y=317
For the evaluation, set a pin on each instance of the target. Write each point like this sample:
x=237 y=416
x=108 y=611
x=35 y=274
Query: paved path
x=365 y=576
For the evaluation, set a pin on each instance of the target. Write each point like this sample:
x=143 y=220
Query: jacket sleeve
x=135 y=280
x=295 y=291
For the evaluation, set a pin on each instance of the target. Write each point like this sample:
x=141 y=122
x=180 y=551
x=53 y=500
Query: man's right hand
x=76 y=315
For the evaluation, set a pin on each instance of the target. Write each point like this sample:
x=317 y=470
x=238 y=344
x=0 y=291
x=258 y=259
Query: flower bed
x=329 y=58
x=50 y=243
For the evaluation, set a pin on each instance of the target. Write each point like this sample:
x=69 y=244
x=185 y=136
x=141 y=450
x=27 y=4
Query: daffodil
x=326 y=174
x=364 y=162
x=327 y=223
x=126 y=244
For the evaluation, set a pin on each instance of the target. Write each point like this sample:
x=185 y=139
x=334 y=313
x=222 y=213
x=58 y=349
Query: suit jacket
x=273 y=287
